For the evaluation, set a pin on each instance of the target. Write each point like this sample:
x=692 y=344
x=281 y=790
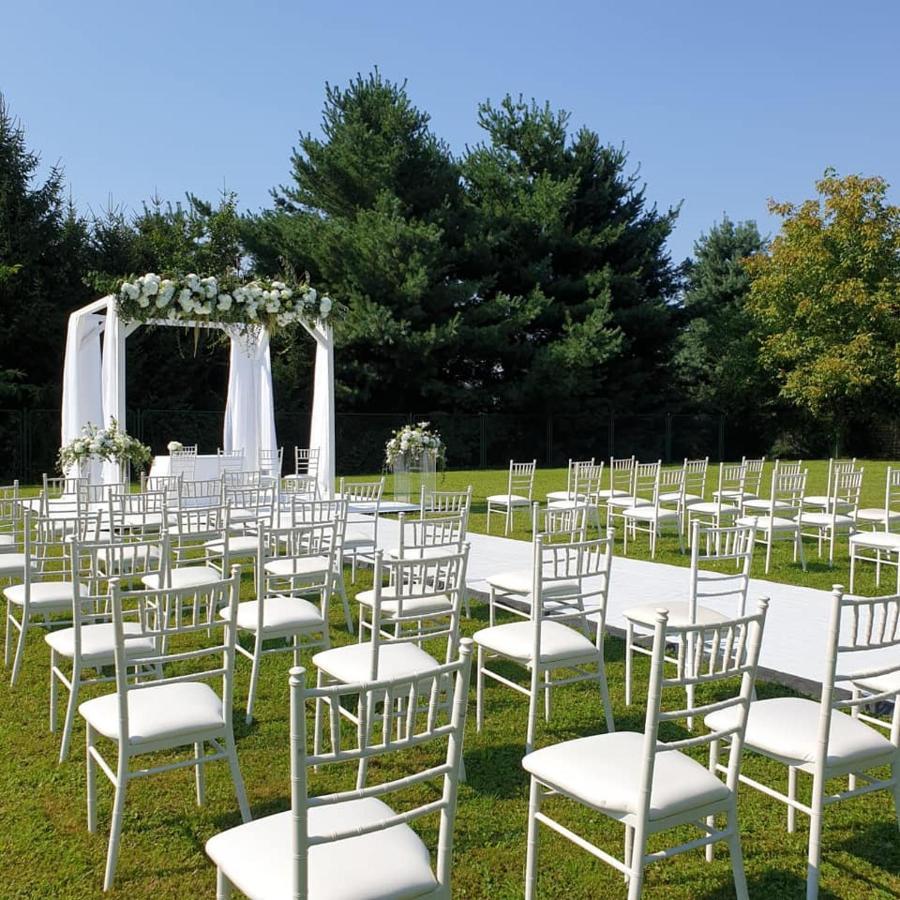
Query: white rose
x=185 y=299
x=272 y=307
x=286 y=293
x=224 y=301
x=203 y=309
x=193 y=282
x=310 y=295
x=325 y=306
x=172 y=314
x=143 y=301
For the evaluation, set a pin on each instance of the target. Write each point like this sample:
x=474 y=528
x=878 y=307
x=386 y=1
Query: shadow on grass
x=774 y=883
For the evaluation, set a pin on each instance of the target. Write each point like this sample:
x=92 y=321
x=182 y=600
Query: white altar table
x=206 y=466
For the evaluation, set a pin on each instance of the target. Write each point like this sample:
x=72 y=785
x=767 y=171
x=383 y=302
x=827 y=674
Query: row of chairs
x=183 y=462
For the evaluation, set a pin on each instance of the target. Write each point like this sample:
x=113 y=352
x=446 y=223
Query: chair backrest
x=230 y=460
x=705 y=655
x=587 y=481
x=257 y=502
x=99 y=493
x=521 y=478
x=670 y=482
x=292 y=546
x=732 y=483
x=788 y=488
x=571 y=582
x=306 y=461
x=567 y=523
x=646 y=479
x=10 y=517
x=621 y=474
x=362 y=491
x=207 y=492
x=183 y=462
x=695 y=476
x=753 y=478
x=433 y=710
x=838 y=467
x=241 y=478
x=137 y=513
x=573 y=471
x=164 y=616
x=55 y=488
x=191 y=527
x=410 y=586
x=303 y=486
x=270 y=461
x=891 y=496
x=441 y=503
x=418 y=535
x=721 y=559
x=44 y=541
x=787 y=467
x=846 y=488
x=863 y=644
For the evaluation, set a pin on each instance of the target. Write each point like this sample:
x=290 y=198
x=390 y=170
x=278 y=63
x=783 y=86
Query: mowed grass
x=46 y=851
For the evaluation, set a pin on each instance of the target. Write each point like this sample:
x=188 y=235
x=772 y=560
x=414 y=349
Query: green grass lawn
x=46 y=851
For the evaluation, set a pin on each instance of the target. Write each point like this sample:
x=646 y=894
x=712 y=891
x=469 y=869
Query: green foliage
x=717 y=358
x=827 y=295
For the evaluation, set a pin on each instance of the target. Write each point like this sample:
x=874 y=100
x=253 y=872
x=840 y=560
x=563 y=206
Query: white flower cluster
x=110 y=444
x=174 y=446
x=194 y=298
x=413 y=441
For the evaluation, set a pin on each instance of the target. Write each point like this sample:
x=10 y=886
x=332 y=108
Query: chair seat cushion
x=130 y=558
x=873 y=514
x=769 y=523
x=281 y=615
x=509 y=499
x=521 y=582
x=606 y=493
x=432 y=552
x=436 y=603
x=186 y=576
x=787 y=728
x=45 y=595
x=238 y=545
x=353 y=662
x=763 y=506
x=515 y=641
x=627 y=501
x=12 y=564
x=297 y=565
x=881 y=684
x=675 y=496
x=98 y=642
x=708 y=508
x=152 y=520
x=825 y=519
x=650 y=514
x=735 y=495
x=556 y=496
x=604 y=771
x=679 y=614
x=7 y=540
x=354 y=539
x=159 y=712
x=877 y=540
x=257 y=856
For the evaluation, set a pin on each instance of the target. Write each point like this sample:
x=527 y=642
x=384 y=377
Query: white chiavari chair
x=573 y=473
x=183 y=463
x=180 y=709
x=835 y=467
x=653 y=517
x=270 y=462
x=839 y=517
x=643 y=489
x=363 y=506
x=779 y=515
x=519 y=493
x=649 y=784
x=231 y=460
x=724 y=507
x=881 y=542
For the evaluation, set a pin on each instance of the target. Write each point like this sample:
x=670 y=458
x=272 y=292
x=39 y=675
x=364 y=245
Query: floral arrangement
x=227 y=300
x=109 y=444
x=413 y=441
x=174 y=446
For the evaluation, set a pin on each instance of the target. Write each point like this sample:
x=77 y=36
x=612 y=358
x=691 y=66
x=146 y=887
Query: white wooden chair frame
x=519 y=492
x=869 y=623
x=650 y=518
x=359 y=547
x=731 y=649
x=161 y=615
x=840 y=516
x=586 y=566
x=782 y=517
x=881 y=542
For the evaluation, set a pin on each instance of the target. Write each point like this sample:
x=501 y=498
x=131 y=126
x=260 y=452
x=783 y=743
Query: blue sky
x=721 y=105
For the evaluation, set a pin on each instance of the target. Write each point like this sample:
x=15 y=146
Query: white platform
x=796 y=628
x=205 y=468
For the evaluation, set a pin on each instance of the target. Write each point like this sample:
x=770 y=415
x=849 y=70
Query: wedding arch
x=94 y=372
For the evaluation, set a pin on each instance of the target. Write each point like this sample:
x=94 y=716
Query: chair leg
x=223 y=886
x=20 y=651
x=737 y=857
x=7 y=636
x=91 y=779
x=814 y=855
x=604 y=696
x=800 y=550
x=629 y=845
x=636 y=865
x=342 y=590
x=69 y=723
x=792 y=795
x=711 y=820
x=236 y=777
x=115 y=828
x=895 y=774
x=532 y=707
x=317 y=722
x=629 y=651
x=492 y=614
x=508 y=520
x=200 y=772
x=531 y=844
x=479 y=690
x=547 y=700
x=54 y=691
x=769 y=539
x=254 y=675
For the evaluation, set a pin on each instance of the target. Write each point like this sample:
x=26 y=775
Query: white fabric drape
x=113 y=380
x=82 y=399
x=250 y=408
x=321 y=429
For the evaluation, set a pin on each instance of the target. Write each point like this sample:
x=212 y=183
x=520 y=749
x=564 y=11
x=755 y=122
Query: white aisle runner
x=796 y=628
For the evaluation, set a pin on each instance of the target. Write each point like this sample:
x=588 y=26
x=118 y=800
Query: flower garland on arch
x=226 y=300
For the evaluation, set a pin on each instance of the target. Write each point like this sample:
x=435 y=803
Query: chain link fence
x=29 y=438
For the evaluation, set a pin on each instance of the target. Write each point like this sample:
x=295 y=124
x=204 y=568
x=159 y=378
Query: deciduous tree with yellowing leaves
x=826 y=295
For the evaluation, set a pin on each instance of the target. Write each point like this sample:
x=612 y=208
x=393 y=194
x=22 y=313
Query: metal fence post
x=482 y=440
x=721 y=437
x=550 y=440
x=612 y=433
x=668 y=439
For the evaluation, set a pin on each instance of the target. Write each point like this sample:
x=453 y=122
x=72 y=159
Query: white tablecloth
x=206 y=467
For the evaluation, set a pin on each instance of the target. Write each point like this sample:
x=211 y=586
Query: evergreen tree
x=560 y=226
x=41 y=253
x=717 y=359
